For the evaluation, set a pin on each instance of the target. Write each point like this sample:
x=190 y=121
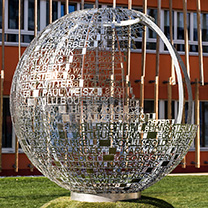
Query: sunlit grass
x=174 y=191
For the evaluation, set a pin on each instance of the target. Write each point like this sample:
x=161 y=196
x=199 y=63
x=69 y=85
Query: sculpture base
x=104 y=197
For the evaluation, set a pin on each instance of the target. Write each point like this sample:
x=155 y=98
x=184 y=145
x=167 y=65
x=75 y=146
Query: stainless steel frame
x=76 y=116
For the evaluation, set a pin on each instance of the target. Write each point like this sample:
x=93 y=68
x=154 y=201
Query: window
x=152 y=13
x=27 y=38
x=173 y=107
x=88 y=6
x=58 y=7
x=8 y=135
x=163 y=109
x=13 y=11
x=204 y=124
x=0 y=14
x=151 y=35
x=7 y=125
x=31 y=15
x=27 y=18
x=195 y=27
x=167 y=23
x=204 y=27
x=72 y=8
x=13 y=14
x=180 y=25
x=12 y=38
x=178 y=30
x=54 y=11
x=148 y=106
x=204 y=24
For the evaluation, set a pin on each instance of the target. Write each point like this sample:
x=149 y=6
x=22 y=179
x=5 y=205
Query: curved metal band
x=188 y=85
x=154 y=27
x=143 y=19
x=104 y=197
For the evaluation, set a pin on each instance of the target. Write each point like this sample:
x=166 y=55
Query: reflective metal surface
x=76 y=116
x=104 y=197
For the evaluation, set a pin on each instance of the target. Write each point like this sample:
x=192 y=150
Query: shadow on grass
x=152 y=201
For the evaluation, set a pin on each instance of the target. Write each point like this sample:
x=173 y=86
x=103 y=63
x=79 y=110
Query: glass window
x=195 y=27
x=1 y=37
x=13 y=14
x=193 y=48
x=27 y=38
x=204 y=27
x=31 y=15
x=88 y=6
x=167 y=23
x=12 y=38
x=7 y=125
x=152 y=13
x=180 y=29
x=172 y=109
x=54 y=11
x=148 y=106
x=151 y=46
x=137 y=45
x=0 y=14
x=180 y=25
x=72 y=8
x=179 y=47
x=204 y=124
x=62 y=9
x=205 y=49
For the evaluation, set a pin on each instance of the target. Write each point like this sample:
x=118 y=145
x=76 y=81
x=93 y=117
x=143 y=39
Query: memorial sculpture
x=75 y=113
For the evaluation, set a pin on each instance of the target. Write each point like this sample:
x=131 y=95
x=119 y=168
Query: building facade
x=58 y=10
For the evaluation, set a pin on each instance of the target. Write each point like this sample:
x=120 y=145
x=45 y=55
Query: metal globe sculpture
x=75 y=113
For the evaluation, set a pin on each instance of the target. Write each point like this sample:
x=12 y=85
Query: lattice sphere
x=75 y=114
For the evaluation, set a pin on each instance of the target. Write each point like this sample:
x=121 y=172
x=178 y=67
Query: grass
x=172 y=191
x=28 y=192
x=65 y=202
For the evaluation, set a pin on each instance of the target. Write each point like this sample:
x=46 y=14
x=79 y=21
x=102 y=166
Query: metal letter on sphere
x=76 y=116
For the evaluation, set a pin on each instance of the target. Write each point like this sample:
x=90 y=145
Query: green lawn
x=172 y=191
